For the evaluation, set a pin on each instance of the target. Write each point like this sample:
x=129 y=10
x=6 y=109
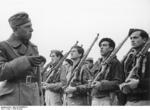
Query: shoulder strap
x=9 y=50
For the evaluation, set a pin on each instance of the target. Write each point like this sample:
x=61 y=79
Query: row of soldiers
x=74 y=81
x=113 y=82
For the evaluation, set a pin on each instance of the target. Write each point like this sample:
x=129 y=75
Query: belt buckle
x=28 y=79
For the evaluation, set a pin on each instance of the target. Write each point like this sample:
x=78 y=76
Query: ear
x=59 y=57
x=144 y=40
x=111 y=49
x=80 y=55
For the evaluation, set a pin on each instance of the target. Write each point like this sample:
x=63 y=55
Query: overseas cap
x=90 y=59
x=18 y=19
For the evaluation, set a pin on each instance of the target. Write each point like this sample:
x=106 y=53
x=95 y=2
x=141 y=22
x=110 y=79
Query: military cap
x=18 y=19
x=89 y=59
x=69 y=61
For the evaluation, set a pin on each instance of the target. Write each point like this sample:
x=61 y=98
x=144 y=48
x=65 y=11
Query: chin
x=73 y=58
x=29 y=37
x=134 y=46
x=102 y=54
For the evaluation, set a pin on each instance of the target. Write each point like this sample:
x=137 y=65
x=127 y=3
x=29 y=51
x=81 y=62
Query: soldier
x=136 y=88
x=19 y=64
x=86 y=70
x=68 y=63
x=103 y=92
x=89 y=63
x=53 y=92
x=76 y=93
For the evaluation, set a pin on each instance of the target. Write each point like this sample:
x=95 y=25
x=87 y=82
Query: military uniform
x=78 y=97
x=19 y=80
x=141 y=94
x=88 y=76
x=106 y=93
x=54 y=93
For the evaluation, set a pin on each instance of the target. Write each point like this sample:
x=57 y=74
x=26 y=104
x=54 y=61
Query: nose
x=132 y=41
x=31 y=29
x=101 y=47
x=71 y=53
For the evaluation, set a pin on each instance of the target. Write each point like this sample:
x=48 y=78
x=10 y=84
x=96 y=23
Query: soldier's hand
x=125 y=88
x=44 y=85
x=70 y=89
x=121 y=85
x=36 y=60
x=93 y=84
x=133 y=83
x=43 y=59
x=89 y=84
x=96 y=84
x=47 y=85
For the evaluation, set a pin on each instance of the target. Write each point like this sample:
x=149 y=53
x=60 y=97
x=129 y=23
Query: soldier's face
x=89 y=64
x=136 y=39
x=105 y=49
x=74 y=54
x=66 y=64
x=25 y=31
x=54 y=58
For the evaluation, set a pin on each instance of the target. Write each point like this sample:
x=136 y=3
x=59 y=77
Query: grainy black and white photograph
x=74 y=53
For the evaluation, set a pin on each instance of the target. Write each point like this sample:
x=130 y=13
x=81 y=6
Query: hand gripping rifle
x=76 y=70
x=103 y=73
x=134 y=70
x=59 y=63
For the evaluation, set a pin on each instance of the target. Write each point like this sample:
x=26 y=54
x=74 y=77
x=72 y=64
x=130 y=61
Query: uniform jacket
x=58 y=79
x=13 y=69
x=142 y=92
x=80 y=81
x=114 y=78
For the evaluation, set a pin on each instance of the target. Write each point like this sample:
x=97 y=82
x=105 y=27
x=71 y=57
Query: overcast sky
x=58 y=24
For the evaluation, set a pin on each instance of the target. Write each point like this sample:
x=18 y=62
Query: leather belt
x=27 y=79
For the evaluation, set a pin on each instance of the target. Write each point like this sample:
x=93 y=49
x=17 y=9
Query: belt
x=27 y=79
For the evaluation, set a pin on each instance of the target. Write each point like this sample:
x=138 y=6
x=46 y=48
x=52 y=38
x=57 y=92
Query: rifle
x=103 y=73
x=47 y=66
x=134 y=70
x=125 y=56
x=59 y=63
x=76 y=70
x=40 y=88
